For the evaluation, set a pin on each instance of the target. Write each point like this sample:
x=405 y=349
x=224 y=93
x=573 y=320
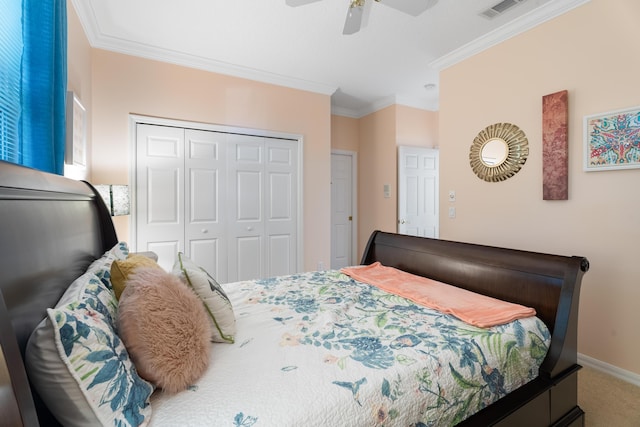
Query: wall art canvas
x=555 y=146
x=612 y=140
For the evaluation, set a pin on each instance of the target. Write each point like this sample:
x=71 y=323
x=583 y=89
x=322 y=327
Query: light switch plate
x=452 y=195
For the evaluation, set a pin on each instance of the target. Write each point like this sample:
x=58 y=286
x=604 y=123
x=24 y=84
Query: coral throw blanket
x=470 y=307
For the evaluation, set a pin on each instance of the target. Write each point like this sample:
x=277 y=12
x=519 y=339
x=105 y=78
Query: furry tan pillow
x=165 y=329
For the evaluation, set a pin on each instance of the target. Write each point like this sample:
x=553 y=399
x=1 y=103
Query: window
x=33 y=83
x=10 y=59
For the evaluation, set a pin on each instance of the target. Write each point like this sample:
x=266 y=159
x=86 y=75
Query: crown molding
x=381 y=104
x=524 y=23
x=344 y=112
x=101 y=41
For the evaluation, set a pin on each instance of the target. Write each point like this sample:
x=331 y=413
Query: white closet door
x=205 y=188
x=281 y=206
x=228 y=201
x=262 y=188
x=245 y=172
x=160 y=191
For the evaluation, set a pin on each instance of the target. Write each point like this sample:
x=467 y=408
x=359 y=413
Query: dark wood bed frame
x=52 y=228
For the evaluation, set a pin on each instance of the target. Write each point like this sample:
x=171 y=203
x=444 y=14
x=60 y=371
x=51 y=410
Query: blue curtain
x=10 y=79
x=44 y=84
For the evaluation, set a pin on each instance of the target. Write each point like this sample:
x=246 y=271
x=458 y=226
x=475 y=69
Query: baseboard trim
x=623 y=374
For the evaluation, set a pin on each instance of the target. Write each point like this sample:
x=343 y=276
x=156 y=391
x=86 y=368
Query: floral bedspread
x=320 y=349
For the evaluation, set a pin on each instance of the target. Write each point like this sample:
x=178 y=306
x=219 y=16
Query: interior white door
x=160 y=191
x=262 y=188
x=418 y=191
x=245 y=166
x=229 y=201
x=341 y=210
x=205 y=188
x=281 y=210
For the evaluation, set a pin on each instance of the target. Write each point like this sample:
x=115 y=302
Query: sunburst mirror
x=498 y=152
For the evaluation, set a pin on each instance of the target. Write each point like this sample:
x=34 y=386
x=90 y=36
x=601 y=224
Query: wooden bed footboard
x=548 y=283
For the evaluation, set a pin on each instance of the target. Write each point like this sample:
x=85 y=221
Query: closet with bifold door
x=227 y=200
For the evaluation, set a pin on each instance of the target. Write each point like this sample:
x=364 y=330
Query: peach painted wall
x=591 y=52
x=376 y=167
x=345 y=133
x=381 y=133
x=123 y=85
x=79 y=79
x=416 y=127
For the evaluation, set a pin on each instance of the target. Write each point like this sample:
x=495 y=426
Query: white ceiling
x=389 y=61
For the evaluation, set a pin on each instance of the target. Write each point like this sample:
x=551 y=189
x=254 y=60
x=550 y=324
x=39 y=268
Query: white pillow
x=70 y=396
x=212 y=295
x=98 y=363
x=92 y=302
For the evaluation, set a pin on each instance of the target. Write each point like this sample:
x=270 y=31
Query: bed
x=54 y=229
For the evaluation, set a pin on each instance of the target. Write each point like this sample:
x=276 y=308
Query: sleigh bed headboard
x=51 y=229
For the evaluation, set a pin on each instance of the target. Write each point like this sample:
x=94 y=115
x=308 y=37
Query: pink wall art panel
x=555 y=146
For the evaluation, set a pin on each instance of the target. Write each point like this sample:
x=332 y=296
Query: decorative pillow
x=165 y=329
x=121 y=269
x=87 y=378
x=90 y=290
x=212 y=295
x=102 y=266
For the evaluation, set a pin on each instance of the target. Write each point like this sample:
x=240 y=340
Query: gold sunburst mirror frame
x=498 y=152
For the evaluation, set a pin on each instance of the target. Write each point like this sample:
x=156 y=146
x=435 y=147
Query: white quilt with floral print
x=320 y=349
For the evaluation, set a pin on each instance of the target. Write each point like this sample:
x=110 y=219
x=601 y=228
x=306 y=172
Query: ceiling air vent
x=500 y=8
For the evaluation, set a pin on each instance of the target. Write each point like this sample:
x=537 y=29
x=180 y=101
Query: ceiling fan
x=358 y=12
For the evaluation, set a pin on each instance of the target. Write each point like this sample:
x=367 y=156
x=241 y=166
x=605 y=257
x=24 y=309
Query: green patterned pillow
x=212 y=295
x=100 y=365
x=90 y=290
x=102 y=266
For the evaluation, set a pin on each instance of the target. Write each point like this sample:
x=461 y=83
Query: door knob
x=249 y=228
x=204 y=231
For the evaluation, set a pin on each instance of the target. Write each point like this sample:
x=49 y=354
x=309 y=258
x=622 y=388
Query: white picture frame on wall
x=76 y=132
x=612 y=140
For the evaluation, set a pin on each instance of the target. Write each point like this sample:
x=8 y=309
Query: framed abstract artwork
x=612 y=140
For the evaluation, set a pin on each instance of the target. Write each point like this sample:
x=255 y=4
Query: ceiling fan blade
x=357 y=17
x=412 y=7
x=295 y=3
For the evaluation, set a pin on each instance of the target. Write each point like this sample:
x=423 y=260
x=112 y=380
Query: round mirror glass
x=494 y=152
x=498 y=152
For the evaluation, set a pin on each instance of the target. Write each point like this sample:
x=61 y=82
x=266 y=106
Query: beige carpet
x=608 y=401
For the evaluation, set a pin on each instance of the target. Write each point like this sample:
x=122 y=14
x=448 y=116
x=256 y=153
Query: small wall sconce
x=116 y=197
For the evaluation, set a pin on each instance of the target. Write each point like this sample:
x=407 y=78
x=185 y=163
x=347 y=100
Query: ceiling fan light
x=357 y=16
